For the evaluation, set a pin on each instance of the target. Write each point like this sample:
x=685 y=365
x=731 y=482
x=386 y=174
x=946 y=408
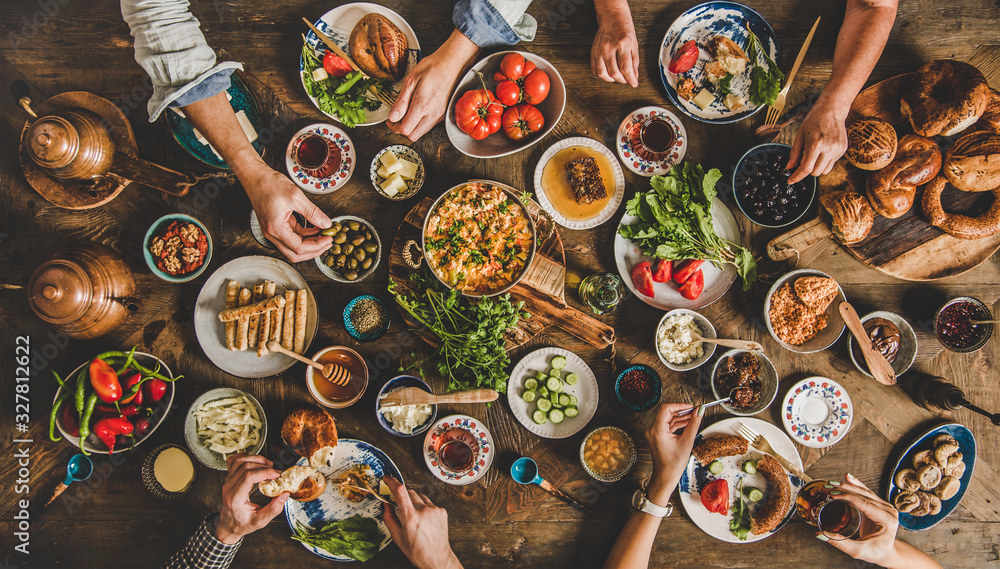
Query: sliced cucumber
x=555 y=373
x=571 y=379
x=554 y=398
x=531 y=383
x=750 y=467
x=563 y=400
x=543 y=392
x=753 y=494
x=571 y=411
x=573 y=400
x=557 y=405
x=544 y=404
x=529 y=395
x=554 y=384
x=556 y=416
x=539 y=417
x=715 y=467
x=558 y=362
x=541 y=376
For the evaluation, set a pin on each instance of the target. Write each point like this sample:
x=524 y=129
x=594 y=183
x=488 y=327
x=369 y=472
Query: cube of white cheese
x=704 y=98
x=248 y=128
x=393 y=185
x=391 y=163
x=381 y=171
x=409 y=169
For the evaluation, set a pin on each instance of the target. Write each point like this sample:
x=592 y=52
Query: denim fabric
x=491 y=23
x=209 y=87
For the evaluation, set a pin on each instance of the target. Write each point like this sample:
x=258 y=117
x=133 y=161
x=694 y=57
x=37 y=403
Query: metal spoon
x=707 y=405
x=978 y=322
x=525 y=471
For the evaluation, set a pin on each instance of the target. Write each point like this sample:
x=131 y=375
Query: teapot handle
x=130 y=303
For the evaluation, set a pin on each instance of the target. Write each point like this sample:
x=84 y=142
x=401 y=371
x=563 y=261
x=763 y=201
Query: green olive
x=329 y=260
x=347 y=249
x=340 y=260
x=368 y=234
x=352 y=263
x=359 y=254
x=354 y=225
x=338 y=226
x=329 y=231
x=351 y=275
x=367 y=263
x=358 y=240
x=340 y=237
x=370 y=246
x=335 y=249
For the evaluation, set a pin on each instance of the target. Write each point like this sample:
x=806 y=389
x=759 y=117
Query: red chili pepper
x=157 y=387
x=105 y=381
x=142 y=427
x=69 y=421
x=108 y=429
x=130 y=380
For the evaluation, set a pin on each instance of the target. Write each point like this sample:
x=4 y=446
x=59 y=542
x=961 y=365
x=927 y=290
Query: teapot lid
x=60 y=291
x=53 y=142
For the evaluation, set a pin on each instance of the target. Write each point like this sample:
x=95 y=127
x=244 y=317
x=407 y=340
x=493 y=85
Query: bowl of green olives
x=355 y=252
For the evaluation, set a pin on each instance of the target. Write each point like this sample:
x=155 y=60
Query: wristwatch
x=642 y=503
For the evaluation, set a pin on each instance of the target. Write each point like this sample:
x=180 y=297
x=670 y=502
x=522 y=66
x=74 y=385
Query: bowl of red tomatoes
x=504 y=104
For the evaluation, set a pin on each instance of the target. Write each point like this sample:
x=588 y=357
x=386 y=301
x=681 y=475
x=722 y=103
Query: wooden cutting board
x=541 y=289
x=907 y=247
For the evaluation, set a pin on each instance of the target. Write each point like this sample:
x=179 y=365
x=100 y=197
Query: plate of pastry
x=579 y=182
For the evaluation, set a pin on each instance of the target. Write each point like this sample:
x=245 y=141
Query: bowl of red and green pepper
x=112 y=402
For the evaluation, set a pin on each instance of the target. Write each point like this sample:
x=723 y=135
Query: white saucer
x=306 y=179
x=817 y=412
x=609 y=209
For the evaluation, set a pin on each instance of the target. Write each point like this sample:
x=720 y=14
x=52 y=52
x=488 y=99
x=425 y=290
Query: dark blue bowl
x=654 y=398
x=404 y=381
x=354 y=332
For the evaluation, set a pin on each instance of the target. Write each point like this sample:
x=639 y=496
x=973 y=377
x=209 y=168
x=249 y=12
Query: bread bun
x=956 y=224
x=892 y=189
x=945 y=97
x=991 y=116
x=852 y=215
x=311 y=433
x=304 y=483
x=972 y=164
x=378 y=47
x=871 y=143
x=729 y=58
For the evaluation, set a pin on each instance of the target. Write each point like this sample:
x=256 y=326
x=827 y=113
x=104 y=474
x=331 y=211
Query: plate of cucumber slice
x=553 y=393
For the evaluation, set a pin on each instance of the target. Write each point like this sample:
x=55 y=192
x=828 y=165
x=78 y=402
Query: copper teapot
x=71 y=144
x=84 y=291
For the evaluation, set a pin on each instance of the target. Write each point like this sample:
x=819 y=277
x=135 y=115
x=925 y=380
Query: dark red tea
x=656 y=135
x=312 y=152
x=456 y=455
x=835 y=516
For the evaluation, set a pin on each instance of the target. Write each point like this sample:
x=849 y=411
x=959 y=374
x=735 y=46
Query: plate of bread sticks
x=247 y=302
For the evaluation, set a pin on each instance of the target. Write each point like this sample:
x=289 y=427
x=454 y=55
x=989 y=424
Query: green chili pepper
x=80 y=396
x=128 y=360
x=55 y=412
x=59 y=379
x=346 y=85
x=85 y=420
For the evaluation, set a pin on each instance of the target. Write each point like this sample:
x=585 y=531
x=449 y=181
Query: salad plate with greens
x=337 y=91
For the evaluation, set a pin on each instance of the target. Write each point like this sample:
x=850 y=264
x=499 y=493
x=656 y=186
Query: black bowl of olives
x=355 y=252
x=762 y=191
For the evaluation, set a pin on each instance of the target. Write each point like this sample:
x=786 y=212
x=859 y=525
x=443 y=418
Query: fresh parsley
x=345 y=97
x=725 y=85
x=765 y=84
x=740 y=524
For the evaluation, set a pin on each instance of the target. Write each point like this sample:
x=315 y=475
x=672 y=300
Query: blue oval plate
x=241 y=100
x=702 y=23
x=967 y=446
x=332 y=506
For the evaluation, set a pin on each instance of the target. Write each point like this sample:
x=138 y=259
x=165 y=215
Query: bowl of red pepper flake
x=638 y=388
x=954 y=328
x=177 y=248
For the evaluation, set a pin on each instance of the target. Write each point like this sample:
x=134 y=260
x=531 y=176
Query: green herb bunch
x=345 y=97
x=356 y=537
x=765 y=84
x=740 y=524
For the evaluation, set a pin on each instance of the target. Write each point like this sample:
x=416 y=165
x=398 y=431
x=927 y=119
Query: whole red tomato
x=715 y=497
x=535 y=87
x=519 y=81
x=521 y=121
x=478 y=113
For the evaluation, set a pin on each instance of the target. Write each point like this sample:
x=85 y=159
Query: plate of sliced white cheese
x=397 y=172
x=222 y=422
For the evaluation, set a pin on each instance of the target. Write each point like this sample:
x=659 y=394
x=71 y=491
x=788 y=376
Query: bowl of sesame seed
x=366 y=318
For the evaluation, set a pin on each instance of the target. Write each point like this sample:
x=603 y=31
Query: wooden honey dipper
x=335 y=374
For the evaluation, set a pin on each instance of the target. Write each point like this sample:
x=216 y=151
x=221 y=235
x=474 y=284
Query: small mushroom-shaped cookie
x=947 y=488
x=924 y=458
x=944 y=438
x=923 y=507
x=906 y=502
x=929 y=477
x=956 y=471
x=954 y=460
x=944 y=452
x=933 y=504
x=906 y=479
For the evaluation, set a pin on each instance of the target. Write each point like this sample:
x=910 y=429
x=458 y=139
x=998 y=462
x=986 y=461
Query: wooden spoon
x=335 y=374
x=417 y=396
x=877 y=363
x=738 y=344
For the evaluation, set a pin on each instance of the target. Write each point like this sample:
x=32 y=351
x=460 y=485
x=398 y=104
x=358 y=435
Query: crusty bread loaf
x=852 y=215
x=990 y=119
x=303 y=483
x=892 y=189
x=945 y=97
x=871 y=143
x=311 y=433
x=972 y=164
x=232 y=314
x=379 y=47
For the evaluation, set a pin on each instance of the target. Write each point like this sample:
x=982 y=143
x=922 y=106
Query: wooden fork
x=775 y=111
x=386 y=98
x=758 y=442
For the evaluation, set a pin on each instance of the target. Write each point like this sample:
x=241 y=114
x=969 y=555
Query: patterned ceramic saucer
x=817 y=412
x=638 y=159
x=320 y=181
x=477 y=430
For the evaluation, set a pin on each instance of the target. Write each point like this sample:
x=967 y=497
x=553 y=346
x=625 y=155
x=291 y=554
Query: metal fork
x=775 y=111
x=758 y=442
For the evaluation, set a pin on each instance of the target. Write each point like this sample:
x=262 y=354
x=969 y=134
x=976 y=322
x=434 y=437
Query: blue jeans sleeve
x=207 y=87
x=491 y=23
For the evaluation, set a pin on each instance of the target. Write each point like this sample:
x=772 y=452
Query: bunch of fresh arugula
x=356 y=537
x=765 y=84
x=470 y=332
x=345 y=97
x=675 y=221
x=740 y=524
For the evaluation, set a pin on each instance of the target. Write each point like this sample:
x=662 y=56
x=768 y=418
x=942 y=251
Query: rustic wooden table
x=111 y=520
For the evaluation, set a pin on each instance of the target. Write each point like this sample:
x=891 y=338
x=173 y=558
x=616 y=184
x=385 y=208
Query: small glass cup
x=602 y=292
x=457 y=450
x=836 y=519
x=656 y=135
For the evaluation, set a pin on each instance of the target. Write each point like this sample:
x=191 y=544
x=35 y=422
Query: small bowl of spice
x=638 y=388
x=749 y=378
x=954 y=328
x=762 y=191
x=891 y=336
x=674 y=344
x=366 y=318
x=405 y=420
x=607 y=454
x=177 y=248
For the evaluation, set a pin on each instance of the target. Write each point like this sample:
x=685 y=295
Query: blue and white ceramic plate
x=183 y=131
x=696 y=476
x=332 y=506
x=702 y=23
x=817 y=412
x=967 y=446
x=483 y=460
x=337 y=25
x=314 y=181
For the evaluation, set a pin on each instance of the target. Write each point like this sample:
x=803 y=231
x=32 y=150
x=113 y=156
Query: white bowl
x=906 y=354
x=707 y=331
x=210 y=458
x=834 y=325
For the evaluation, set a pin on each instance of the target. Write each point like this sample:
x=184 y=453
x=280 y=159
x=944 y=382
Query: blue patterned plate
x=315 y=181
x=702 y=23
x=183 y=131
x=482 y=436
x=696 y=476
x=332 y=505
x=817 y=412
x=967 y=446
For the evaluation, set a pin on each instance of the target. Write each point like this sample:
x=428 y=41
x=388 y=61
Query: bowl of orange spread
x=607 y=454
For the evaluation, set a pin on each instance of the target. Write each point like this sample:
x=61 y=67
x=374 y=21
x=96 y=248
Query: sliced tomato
x=691 y=289
x=642 y=278
x=684 y=58
x=662 y=270
x=334 y=65
x=686 y=268
x=715 y=497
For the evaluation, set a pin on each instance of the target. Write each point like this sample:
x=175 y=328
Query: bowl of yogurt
x=674 y=343
x=405 y=420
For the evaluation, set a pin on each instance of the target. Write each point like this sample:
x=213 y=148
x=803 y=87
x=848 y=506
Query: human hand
x=423 y=97
x=614 y=55
x=275 y=198
x=879 y=547
x=239 y=515
x=670 y=451
x=820 y=142
x=419 y=528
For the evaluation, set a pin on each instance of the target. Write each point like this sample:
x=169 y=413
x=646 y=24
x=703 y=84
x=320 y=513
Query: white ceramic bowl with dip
x=707 y=331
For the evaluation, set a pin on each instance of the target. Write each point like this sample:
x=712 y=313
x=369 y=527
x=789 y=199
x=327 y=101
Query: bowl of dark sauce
x=954 y=328
x=762 y=191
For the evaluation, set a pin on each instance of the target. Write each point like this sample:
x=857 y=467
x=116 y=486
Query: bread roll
x=251 y=310
x=304 y=483
x=288 y=321
x=243 y=322
x=311 y=433
x=892 y=189
x=258 y=295
x=972 y=164
x=301 y=299
x=232 y=301
x=871 y=143
x=378 y=47
x=945 y=97
x=852 y=215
